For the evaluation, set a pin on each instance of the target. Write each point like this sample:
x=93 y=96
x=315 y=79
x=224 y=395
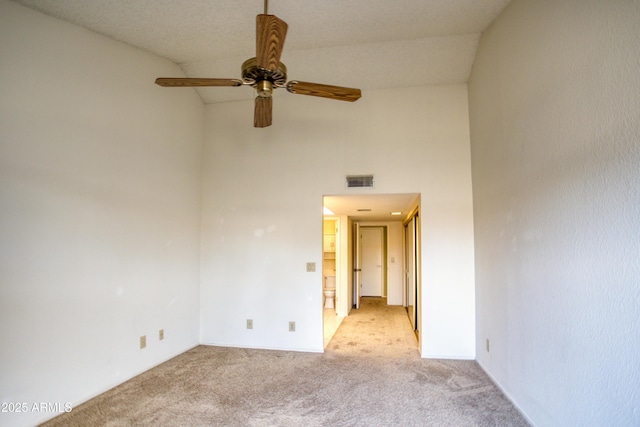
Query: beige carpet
x=370 y=375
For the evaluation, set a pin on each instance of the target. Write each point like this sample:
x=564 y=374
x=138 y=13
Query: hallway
x=375 y=329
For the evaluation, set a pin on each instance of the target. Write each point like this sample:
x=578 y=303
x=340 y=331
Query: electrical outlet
x=161 y=334
x=143 y=342
x=292 y=326
x=311 y=267
x=488 y=345
x=249 y=323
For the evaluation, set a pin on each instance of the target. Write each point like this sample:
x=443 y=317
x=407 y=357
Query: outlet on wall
x=143 y=342
x=161 y=334
x=292 y=326
x=249 y=323
x=488 y=345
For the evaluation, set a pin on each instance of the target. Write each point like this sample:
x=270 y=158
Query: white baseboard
x=506 y=393
x=116 y=383
x=297 y=350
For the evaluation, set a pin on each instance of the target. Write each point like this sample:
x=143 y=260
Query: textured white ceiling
x=368 y=44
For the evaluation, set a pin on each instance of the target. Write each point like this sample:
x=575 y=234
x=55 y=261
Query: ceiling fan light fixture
x=264 y=88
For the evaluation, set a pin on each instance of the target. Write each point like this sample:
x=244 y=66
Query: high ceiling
x=369 y=44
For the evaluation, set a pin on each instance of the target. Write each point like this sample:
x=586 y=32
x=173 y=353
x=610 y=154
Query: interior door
x=357 y=265
x=372 y=249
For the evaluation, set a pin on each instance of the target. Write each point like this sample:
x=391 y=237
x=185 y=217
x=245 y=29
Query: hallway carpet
x=370 y=375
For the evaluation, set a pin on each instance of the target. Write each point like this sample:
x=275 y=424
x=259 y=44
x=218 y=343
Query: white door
x=372 y=248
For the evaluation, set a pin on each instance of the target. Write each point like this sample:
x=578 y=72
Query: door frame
x=349 y=224
x=412 y=260
x=383 y=256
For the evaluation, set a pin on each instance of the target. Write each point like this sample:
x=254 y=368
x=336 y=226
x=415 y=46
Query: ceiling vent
x=359 y=181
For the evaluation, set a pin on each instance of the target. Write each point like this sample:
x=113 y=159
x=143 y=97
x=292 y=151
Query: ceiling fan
x=266 y=73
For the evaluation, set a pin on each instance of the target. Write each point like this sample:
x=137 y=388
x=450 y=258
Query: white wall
x=395 y=263
x=554 y=111
x=99 y=212
x=344 y=269
x=262 y=210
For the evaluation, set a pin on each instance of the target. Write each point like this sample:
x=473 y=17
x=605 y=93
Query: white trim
x=506 y=393
x=51 y=416
x=253 y=347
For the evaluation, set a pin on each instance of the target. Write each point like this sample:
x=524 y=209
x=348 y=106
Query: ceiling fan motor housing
x=264 y=81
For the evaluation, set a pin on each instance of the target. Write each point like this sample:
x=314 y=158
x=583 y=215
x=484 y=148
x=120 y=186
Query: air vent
x=359 y=181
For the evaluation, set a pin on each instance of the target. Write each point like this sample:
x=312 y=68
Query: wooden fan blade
x=189 y=82
x=262 y=112
x=324 y=91
x=270 y=34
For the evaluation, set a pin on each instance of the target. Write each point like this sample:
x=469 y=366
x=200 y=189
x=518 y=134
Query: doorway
x=331 y=274
x=382 y=218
